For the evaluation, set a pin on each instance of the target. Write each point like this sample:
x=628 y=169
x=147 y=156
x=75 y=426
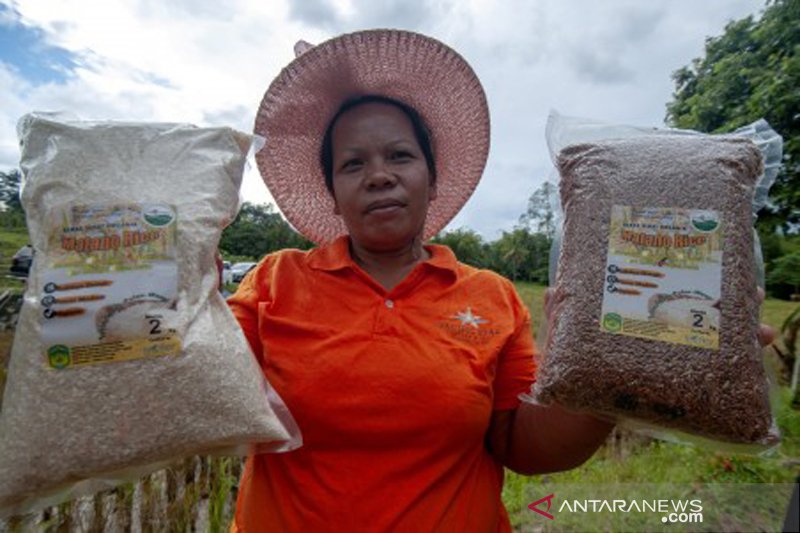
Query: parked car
x=227 y=275
x=239 y=270
x=21 y=262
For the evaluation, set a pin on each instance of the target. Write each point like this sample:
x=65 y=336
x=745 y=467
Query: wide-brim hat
x=412 y=68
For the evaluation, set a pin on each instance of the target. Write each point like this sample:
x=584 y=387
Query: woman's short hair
x=421 y=133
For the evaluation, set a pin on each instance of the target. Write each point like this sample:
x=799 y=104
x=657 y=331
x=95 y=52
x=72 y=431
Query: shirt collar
x=442 y=258
x=336 y=256
x=333 y=256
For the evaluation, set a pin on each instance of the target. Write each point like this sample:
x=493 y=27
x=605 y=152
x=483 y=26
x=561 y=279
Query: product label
x=663 y=275
x=110 y=284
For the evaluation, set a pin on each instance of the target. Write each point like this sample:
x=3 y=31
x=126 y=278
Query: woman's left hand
x=766 y=334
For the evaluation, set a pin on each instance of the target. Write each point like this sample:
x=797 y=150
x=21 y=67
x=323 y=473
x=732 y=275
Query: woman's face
x=381 y=183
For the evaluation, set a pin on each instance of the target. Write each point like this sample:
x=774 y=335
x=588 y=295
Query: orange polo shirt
x=392 y=390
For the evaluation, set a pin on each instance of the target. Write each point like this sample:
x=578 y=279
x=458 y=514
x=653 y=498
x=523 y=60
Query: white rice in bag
x=125 y=355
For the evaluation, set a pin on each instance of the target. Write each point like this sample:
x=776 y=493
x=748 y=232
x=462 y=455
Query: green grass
x=231 y=287
x=11 y=240
x=219 y=508
x=774 y=311
x=659 y=462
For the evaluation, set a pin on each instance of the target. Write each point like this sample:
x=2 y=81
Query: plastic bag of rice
x=125 y=354
x=655 y=309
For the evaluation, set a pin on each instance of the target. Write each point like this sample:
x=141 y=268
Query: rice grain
x=67 y=432
x=716 y=394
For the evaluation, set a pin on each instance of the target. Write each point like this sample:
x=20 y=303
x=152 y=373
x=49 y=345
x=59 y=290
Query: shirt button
x=389 y=304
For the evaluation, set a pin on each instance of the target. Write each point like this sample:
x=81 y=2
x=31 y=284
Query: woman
x=401 y=366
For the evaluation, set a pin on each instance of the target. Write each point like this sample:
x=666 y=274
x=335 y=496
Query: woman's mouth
x=384 y=206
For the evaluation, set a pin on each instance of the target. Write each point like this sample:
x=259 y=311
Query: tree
x=467 y=245
x=750 y=71
x=259 y=230
x=9 y=190
x=540 y=215
x=786 y=271
x=520 y=255
x=514 y=253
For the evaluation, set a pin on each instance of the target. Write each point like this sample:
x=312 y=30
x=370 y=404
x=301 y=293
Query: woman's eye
x=400 y=155
x=351 y=164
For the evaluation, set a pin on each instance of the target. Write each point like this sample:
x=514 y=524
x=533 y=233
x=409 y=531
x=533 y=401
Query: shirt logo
x=466 y=327
x=467 y=318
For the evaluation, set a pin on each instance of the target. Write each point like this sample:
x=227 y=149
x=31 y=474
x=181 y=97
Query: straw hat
x=412 y=68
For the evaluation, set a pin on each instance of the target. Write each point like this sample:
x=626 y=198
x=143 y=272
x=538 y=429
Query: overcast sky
x=209 y=63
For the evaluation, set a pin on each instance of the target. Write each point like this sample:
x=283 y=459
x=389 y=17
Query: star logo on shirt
x=467 y=318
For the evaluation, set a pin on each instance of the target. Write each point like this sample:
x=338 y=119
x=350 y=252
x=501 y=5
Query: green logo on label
x=705 y=221
x=59 y=356
x=158 y=215
x=612 y=322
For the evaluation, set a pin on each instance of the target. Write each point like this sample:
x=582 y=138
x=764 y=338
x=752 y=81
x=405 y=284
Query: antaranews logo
x=684 y=512
x=672 y=511
x=535 y=506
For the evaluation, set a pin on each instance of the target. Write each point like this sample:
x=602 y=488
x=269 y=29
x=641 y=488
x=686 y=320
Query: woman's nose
x=378 y=175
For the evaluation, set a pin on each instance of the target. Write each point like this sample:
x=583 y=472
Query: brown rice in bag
x=656 y=311
x=126 y=355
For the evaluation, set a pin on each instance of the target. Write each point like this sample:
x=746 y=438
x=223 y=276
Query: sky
x=209 y=63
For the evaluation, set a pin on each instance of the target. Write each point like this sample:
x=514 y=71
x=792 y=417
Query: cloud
x=609 y=49
x=320 y=13
x=351 y=15
x=600 y=66
x=209 y=63
x=640 y=21
x=402 y=14
x=13 y=107
x=500 y=198
x=23 y=48
x=193 y=9
x=237 y=116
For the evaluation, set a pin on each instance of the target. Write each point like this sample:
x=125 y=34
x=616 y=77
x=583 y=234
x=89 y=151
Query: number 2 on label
x=155 y=326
